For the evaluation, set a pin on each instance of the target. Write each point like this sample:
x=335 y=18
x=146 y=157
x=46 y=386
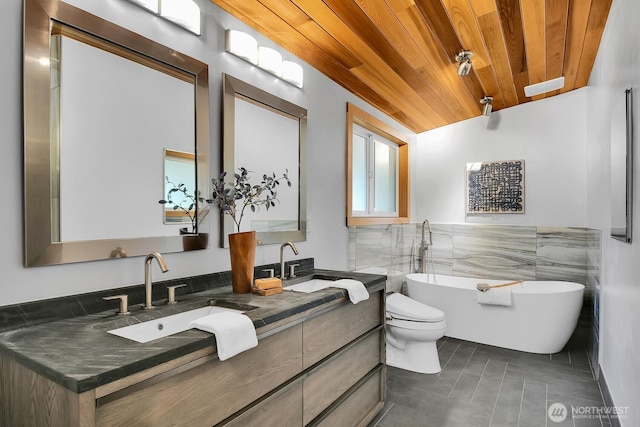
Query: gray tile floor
x=481 y=386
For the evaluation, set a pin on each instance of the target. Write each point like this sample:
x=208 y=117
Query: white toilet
x=412 y=331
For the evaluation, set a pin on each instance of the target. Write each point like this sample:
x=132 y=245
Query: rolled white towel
x=356 y=289
x=234 y=332
x=495 y=296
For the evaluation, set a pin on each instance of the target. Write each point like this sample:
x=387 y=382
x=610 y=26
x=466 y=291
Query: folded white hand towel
x=234 y=332
x=495 y=296
x=356 y=289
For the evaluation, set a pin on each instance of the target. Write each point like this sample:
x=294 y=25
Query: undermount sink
x=169 y=325
x=310 y=285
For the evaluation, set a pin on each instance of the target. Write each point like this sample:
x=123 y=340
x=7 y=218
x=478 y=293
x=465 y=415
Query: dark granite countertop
x=79 y=354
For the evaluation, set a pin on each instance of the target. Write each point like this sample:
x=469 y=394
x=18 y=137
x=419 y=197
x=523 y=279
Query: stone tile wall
x=483 y=251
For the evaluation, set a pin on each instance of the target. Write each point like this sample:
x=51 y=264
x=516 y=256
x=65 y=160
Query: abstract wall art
x=495 y=187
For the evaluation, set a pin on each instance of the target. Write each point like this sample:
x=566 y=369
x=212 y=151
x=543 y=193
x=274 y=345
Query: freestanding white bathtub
x=541 y=318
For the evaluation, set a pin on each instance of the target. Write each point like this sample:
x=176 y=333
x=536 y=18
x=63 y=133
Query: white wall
x=326 y=104
x=617 y=68
x=549 y=135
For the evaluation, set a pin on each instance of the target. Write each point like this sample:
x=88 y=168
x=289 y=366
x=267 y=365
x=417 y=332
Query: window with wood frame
x=377 y=171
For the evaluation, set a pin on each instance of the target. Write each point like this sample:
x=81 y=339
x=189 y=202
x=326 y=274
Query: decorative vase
x=242 y=250
x=194 y=241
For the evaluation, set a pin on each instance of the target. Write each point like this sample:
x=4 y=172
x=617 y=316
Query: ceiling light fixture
x=487 y=105
x=463 y=58
x=544 y=87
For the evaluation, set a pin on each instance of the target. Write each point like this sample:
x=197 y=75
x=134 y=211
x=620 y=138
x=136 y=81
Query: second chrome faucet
x=147 y=276
x=295 y=251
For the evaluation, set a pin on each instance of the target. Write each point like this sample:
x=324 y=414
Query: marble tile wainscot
x=492 y=252
x=70 y=372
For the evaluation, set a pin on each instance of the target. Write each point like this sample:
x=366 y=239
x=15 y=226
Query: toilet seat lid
x=402 y=307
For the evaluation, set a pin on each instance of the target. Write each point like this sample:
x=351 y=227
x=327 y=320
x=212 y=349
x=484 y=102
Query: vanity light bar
x=246 y=47
x=292 y=72
x=270 y=60
x=242 y=45
x=184 y=13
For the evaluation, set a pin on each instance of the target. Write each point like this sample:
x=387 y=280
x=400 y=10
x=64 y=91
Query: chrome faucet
x=147 y=276
x=424 y=246
x=295 y=251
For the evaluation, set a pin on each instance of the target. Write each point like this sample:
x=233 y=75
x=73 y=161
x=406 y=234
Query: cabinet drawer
x=359 y=407
x=328 y=332
x=332 y=378
x=281 y=409
x=208 y=393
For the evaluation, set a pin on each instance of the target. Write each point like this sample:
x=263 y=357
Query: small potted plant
x=182 y=200
x=233 y=198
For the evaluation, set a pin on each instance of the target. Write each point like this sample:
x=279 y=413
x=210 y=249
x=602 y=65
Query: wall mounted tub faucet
x=295 y=251
x=424 y=246
x=147 y=276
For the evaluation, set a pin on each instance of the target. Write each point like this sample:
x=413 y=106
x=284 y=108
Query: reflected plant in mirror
x=186 y=204
x=234 y=197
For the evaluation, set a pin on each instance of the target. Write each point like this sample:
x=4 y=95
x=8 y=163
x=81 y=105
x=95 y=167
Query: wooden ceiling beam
x=429 y=88
x=447 y=46
x=386 y=70
x=481 y=7
x=409 y=85
x=489 y=24
x=464 y=23
x=597 y=20
x=309 y=29
x=556 y=17
x=576 y=30
x=487 y=76
x=367 y=32
x=383 y=17
x=511 y=24
x=533 y=23
x=439 y=75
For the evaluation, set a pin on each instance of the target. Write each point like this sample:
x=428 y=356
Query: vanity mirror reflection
x=266 y=134
x=179 y=188
x=101 y=104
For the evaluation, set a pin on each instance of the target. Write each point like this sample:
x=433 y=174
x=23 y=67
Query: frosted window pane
x=359 y=174
x=385 y=177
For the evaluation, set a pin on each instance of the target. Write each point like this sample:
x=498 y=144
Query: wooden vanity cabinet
x=206 y=394
x=344 y=377
x=325 y=369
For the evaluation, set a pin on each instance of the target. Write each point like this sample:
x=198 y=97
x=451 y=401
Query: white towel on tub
x=495 y=296
x=234 y=332
x=356 y=289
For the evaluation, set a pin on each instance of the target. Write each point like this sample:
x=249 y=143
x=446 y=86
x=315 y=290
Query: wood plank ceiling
x=399 y=55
